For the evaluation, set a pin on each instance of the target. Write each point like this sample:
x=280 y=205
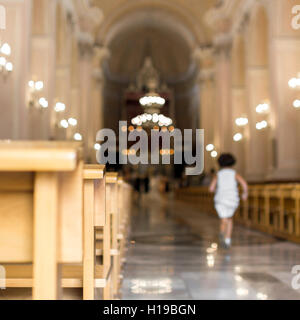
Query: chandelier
x=149 y=120
x=152 y=104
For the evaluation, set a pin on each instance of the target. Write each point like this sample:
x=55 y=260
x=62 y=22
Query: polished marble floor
x=173 y=254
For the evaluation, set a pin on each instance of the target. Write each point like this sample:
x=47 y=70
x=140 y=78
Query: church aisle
x=169 y=259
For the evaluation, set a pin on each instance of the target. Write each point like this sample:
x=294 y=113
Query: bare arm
x=213 y=184
x=244 y=185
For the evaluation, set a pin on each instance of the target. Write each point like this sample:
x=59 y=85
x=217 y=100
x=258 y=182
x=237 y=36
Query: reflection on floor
x=173 y=254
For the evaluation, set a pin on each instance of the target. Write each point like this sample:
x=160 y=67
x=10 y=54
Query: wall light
x=77 y=136
x=6 y=67
x=210 y=147
x=242 y=121
x=35 y=99
x=72 y=122
x=237 y=137
x=262 y=108
x=261 y=125
x=64 y=123
x=97 y=146
x=214 y=154
x=294 y=82
x=59 y=107
x=296 y=104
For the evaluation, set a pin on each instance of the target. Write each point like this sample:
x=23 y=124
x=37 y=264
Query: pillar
x=284 y=65
x=206 y=109
x=100 y=54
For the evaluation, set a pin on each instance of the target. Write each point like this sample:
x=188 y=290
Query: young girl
x=225 y=183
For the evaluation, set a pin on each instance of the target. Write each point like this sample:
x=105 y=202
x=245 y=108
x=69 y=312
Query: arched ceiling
x=168 y=31
x=169 y=52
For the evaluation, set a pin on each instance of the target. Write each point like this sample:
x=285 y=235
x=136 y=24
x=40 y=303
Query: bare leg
x=229 y=225
x=223 y=226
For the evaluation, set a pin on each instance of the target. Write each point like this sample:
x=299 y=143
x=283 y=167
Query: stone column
x=86 y=108
x=238 y=99
x=100 y=55
x=257 y=142
x=223 y=92
x=238 y=102
x=206 y=111
x=42 y=65
x=284 y=65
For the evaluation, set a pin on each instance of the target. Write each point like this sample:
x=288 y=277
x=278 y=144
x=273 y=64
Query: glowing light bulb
x=261 y=125
x=97 y=146
x=39 y=85
x=59 y=107
x=210 y=147
x=242 y=121
x=64 y=123
x=43 y=102
x=214 y=154
x=77 y=136
x=2 y=61
x=5 y=49
x=296 y=104
x=9 y=67
x=238 y=137
x=72 y=122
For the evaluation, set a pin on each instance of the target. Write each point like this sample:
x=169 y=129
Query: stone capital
x=86 y=42
x=98 y=75
x=223 y=44
x=203 y=56
x=205 y=75
x=100 y=55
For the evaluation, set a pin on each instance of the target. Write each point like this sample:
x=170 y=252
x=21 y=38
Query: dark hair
x=226 y=160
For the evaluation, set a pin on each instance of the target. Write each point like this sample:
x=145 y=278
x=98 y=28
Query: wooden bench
x=79 y=208
x=118 y=205
x=37 y=184
x=271 y=208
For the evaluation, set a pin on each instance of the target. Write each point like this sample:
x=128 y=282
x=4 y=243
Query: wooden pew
x=81 y=210
x=113 y=208
x=271 y=208
x=95 y=217
x=37 y=185
x=118 y=205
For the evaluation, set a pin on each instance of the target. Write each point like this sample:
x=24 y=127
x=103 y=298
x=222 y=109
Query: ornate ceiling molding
x=169 y=9
x=238 y=12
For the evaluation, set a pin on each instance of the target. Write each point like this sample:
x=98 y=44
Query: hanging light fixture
x=152 y=104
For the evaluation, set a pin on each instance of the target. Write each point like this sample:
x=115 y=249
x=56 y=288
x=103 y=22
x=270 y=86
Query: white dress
x=227 y=194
